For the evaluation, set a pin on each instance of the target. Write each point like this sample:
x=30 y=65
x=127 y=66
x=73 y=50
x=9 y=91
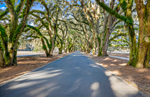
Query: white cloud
x=3 y=8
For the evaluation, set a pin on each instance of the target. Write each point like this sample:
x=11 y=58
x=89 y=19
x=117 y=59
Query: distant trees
x=101 y=23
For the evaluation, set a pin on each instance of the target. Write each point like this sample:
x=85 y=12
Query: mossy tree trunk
x=1 y=57
x=108 y=30
x=143 y=54
x=15 y=31
x=45 y=48
x=98 y=45
x=139 y=56
x=60 y=50
x=51 y=22
x=127 y=8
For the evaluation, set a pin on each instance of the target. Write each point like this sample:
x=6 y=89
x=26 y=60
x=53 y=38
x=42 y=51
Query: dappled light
x=96 y=89
x=95 y=86
x=114 y=60
x=23 y=85
x=41 y=75
x=148 y=77
x=107 y=58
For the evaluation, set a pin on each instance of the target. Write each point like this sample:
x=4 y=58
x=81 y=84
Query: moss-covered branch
x=85 y=22
x=3 y=37
x=114 y=13
x=37 y=11
x=20 y=6
x=4 y=13
x=41 y=20
x=22 y=25
x=120 y=34
x=40 y=34
x=10 y=7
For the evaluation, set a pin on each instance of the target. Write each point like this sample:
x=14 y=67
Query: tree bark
x=108 y=31
x=1 y=58
x=60 y=50
x=144 y=33
x=106 y=43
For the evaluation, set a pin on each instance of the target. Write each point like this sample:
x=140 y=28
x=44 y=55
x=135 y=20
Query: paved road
x=72 y=76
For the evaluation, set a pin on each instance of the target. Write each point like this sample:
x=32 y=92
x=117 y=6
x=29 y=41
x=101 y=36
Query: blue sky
x=37 y=6
x=2 y=6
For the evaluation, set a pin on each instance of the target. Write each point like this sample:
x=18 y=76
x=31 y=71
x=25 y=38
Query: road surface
x=72 y=76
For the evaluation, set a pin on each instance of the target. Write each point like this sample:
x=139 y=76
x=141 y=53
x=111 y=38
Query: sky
x=2 y=6
x=36 y=6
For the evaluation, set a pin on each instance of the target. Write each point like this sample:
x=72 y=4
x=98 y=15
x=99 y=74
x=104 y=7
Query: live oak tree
x=48 y=19
x=9 y=41
x=61 y=36
x=139 y=54
x=143 y=49
x=45 y=41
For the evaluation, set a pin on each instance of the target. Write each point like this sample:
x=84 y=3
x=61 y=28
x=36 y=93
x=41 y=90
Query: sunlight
x=148 y=77
x=26 y=84
x=112 y=65
x=93 y=65
x=107 y=59
x=123 y=64
x=117 y=84
x=44 y=91
x=108 y=73
x=116 y=72
x=114 y=60
x=95 y=86
x=41 y=75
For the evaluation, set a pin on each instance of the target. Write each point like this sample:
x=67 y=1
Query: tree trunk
x=147 y=61
x=133 y=47
x=143 y=55
x=106 y=43
x=99 y=46
x=1 y=58
x=108 y=31
x=15 y=57
x=89 y=50
x=60 y=50
x=94 y=48
x=45 y=48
